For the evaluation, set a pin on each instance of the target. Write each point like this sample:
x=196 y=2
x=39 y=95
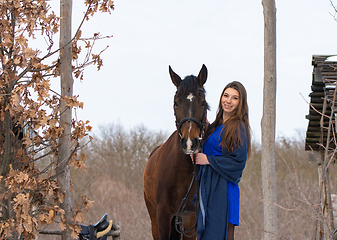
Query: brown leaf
x=22 y=40
x=27 y=223
x=29 y=53
x=78 y=217
x=63 y=226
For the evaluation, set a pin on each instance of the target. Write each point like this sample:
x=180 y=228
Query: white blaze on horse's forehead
x=189 y=141
x=190 y=97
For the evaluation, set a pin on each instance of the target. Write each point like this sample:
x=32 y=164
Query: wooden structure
x=320 y=134
x=324 y=79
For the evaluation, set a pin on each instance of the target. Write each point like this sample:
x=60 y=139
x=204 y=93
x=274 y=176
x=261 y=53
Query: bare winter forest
x=116 y=158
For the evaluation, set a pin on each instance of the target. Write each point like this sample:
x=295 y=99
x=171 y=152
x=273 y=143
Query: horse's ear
x=174 y=77
x=202 y=75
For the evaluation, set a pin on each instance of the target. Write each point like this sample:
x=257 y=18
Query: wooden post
x=327 y=226
x=268 y=122
x=63 y=168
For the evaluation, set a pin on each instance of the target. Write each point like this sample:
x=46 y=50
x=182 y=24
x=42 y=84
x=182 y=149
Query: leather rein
x=178 y=221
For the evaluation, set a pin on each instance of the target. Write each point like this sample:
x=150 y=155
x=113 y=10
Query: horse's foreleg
x=164 y=223
x=153 y=216
x=188 y=218
x=154 y=228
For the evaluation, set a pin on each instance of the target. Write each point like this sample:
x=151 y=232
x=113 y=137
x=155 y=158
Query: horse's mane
x=189 y=85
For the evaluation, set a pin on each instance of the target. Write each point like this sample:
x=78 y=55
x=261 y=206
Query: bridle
x=178 y=221
x=189 y=119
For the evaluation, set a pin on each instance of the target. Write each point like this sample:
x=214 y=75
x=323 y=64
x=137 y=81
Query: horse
x=169 y=170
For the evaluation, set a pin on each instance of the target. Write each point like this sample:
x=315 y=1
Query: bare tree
x=268 y=121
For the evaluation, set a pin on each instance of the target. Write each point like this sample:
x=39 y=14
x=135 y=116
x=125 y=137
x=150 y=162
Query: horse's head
x=190 y=108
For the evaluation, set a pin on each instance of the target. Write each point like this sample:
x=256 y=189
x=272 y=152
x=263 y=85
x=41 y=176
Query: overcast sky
x=134 y=86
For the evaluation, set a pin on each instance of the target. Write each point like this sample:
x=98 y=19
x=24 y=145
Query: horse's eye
x=203 y=104
x=175 y=104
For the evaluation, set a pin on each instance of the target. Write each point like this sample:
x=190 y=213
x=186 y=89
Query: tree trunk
x=65 y=119
x=268 y=122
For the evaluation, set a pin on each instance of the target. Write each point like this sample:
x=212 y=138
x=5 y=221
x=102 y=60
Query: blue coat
x=213 y=212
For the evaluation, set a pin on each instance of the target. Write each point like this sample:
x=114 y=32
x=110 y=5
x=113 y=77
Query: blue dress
x=219 y=190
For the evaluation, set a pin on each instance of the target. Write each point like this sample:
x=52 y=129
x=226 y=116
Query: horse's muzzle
x=190 y=146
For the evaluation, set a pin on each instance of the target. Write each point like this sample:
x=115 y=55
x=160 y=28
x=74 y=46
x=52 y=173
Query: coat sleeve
x=231 y=164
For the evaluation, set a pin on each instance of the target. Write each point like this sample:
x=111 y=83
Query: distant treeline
x=116 y=158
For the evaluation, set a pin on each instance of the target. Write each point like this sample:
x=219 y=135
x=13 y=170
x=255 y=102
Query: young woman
x=226 y=148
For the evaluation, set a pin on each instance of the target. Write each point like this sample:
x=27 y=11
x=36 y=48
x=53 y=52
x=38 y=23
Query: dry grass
x=117 y=190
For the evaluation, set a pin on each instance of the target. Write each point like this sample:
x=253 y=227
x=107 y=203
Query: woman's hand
x=200 y=159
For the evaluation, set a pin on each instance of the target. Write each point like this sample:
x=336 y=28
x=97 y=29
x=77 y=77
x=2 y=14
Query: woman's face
x=230 y=100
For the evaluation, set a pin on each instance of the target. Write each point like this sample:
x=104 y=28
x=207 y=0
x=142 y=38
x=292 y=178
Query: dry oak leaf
x=22 y=204
x=88 y=204
x=49 y=218
x=6 y=228
x=27 y=224
x=22 y=40
x=15 y=99
x=76 y=229
x=27 y=139
x=53 y=122
x=63 y=226
x=78 y=216
x=28 y=52
x=21 y=177
x=43 y=219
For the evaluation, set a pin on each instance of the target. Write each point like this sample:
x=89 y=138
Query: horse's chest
x=175 y=189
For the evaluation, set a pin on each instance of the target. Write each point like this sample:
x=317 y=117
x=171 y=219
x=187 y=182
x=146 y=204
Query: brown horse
x=169 y=170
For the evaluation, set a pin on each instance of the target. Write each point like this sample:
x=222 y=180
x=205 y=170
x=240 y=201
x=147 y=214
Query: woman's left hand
x=200 y=158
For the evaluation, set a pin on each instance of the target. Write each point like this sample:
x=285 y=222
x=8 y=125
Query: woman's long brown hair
x=236 y=124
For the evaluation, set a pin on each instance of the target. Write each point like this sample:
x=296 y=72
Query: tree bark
x=268 y=122
x=63 y=168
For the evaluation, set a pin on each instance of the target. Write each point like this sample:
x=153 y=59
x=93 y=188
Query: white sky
x=134 y=86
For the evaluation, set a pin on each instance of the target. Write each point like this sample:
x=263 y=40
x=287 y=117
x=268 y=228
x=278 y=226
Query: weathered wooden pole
x=327 y=226
x=268 y=122
x=63 y=168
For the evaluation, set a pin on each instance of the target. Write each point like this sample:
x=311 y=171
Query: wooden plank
x=329 y=79
x=311 y=146
x=316 y=94
x=315 y=129
x=315 y=140
x=317 y=123
x=313 y=112
x=317 y=88
x=314 y=83
x=318 y=106
x=329 y=91
x=316 y=100
x=316 y=134
x=328 y=72
x=314 y=147
x=317 y=59
x=318 y=76
x=312 y=140
x=313 y=117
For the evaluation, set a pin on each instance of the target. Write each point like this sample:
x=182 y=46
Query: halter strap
x=188 y=119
